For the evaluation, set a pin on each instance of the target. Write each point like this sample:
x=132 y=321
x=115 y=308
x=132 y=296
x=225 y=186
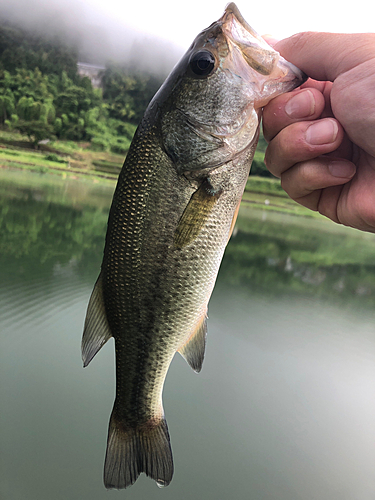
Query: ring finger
x=302 y=141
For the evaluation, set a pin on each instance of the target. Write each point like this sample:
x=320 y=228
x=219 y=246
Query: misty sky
x=113 y=29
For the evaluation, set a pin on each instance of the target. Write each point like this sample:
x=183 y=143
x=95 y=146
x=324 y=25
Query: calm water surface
x=284 y=408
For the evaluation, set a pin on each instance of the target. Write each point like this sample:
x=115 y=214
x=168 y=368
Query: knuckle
x=273 y=117
x=272 y=162
x=268 y=158
x=304 y=173
x=291 y=143
x=284 y=181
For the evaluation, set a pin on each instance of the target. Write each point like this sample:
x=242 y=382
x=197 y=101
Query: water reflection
x=285 y=405
x=310 y=257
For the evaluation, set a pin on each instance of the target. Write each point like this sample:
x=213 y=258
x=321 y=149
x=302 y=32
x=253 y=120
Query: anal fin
x=96 y=331
x=193 y=349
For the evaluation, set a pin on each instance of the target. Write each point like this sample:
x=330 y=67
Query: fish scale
x=172 y=214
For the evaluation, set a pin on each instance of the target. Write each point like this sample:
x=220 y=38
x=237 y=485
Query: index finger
x=324 y=56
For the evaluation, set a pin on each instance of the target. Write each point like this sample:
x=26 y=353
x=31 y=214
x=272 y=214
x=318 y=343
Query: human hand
x=322 y=136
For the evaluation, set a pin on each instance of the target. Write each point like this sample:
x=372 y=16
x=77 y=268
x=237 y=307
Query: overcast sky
x=181 y=21
x=111 y=26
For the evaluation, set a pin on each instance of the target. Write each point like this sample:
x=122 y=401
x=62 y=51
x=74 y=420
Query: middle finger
x=302 y=104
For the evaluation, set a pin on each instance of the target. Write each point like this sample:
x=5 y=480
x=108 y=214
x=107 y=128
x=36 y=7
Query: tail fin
x=131 y=451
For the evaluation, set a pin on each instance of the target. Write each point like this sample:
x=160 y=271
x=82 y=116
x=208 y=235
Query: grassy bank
x=65 y=158
x=78 y=160
x=267 y=194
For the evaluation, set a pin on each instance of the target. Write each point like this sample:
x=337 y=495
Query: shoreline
x=260 y=192
x=58 y=171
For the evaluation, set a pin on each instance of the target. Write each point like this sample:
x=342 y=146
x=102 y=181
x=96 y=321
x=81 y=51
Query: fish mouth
x=232 y=10
x=260 y=56
x=255 y=50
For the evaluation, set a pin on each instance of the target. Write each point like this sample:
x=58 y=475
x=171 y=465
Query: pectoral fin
x=96 y=331
x=193 y=349
x=195 y=214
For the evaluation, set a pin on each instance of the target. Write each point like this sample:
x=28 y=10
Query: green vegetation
x=24 y=49
x=42 y=106
x=258 y=168
x=73 y=159
x=65 y=158
x=275 y=253
x=43 y=97
x=50 y=223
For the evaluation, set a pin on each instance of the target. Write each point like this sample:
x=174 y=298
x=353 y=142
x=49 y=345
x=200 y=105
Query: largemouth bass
x=172 y=215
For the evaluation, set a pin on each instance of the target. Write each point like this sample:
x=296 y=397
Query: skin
x=321 y=136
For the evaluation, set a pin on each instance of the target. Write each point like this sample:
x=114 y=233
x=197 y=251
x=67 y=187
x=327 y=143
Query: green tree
x=47 y=112
x=7 y=107
x=128 y=93
x=40 y=89
x=36 y=130
x=25 y=108
x=21 y=48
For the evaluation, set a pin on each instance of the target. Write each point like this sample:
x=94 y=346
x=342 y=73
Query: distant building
x=92 y=71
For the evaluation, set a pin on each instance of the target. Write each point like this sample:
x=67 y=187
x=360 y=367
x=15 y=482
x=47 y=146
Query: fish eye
x=202 y=63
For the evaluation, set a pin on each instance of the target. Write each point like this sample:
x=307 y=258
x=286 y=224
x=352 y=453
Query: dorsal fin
x=96 y=331
x=193 y=349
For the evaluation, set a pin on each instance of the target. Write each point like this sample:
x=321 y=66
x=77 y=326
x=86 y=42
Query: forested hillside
x=42 y=95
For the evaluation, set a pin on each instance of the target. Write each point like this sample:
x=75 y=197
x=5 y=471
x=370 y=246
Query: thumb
x=324 y=56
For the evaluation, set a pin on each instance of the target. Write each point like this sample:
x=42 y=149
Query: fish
x=172 y=215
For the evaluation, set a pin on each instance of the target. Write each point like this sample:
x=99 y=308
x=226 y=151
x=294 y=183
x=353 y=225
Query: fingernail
x=301 y=105
x=341 y=168
x=322 y=132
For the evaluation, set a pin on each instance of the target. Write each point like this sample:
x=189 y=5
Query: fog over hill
x=98 y=36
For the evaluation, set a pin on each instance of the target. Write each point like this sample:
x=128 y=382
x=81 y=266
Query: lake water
x=284 y=408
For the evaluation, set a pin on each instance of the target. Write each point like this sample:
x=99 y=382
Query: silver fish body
x=172 y=214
